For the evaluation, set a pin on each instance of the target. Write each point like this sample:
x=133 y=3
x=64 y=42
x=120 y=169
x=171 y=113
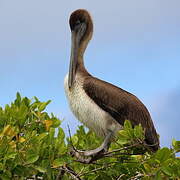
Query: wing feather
x=121 y=105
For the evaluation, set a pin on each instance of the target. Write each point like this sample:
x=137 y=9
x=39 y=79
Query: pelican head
x=81 y=32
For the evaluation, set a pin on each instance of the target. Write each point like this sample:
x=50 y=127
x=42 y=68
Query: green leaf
x=36 y=99
x=176 y=145
x=173 y=142
x=18 y=99
x=123 y=134
x=32 y=158
x=158 y=176
x=123 y=137
x=51 y=134
x=40 y=169
x=163 y=154
x=56 y=123
x=74 y=139
x=138 y=132
x=26 y=101
x=128 y=128
x=122 y=141
x=11 y=155
x=43 y=105
x=147 y=167
x=6 y=175
x=23 y=171
x=167 y=170
x=1 y=166
x=61 y=134
x=127 y=125
x=58 y=162
x=42 y=136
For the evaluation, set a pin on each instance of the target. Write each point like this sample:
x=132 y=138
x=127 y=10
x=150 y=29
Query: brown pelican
x=99 y=105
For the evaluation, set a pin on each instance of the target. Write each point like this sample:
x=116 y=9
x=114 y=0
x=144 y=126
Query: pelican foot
x=87 y=157
x=92 y=155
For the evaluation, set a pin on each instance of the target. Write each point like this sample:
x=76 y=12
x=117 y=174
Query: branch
x=120 y=176
x=65 y=169
x=120 y=149
x=60 y=174
x=94 y=170
x=70 y=137
x=91 y=159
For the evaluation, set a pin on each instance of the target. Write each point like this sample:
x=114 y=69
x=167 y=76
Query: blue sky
x=136 y=45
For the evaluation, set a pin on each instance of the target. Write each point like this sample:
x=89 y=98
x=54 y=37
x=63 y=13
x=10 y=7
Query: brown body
x=101 y=106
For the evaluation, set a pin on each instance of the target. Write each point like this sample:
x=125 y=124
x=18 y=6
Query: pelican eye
x=78 y=25
x=78 y=22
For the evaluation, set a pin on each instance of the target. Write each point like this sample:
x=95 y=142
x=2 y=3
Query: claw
x=92 y=155
x=81 y=156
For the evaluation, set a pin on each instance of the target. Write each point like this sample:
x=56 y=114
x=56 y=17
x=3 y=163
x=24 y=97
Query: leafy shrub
x=30 y=148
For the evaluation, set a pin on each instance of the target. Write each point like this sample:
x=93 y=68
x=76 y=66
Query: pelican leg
x=92 y=155
x=104 y=146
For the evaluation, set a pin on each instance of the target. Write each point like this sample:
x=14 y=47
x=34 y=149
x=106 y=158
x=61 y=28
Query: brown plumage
x=122 y=105
x=101 y=106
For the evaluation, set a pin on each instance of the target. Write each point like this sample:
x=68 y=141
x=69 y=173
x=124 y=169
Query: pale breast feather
x=88 y=112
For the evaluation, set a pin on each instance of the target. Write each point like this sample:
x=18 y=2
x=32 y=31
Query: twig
x=120 y=149
x=118 y=154
x=65 y=169
x=79 y=173
x=94 y=170
x=120 y=176
x=70 y=137
x=60 y=174
x=71 y=143
x=139 y=175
